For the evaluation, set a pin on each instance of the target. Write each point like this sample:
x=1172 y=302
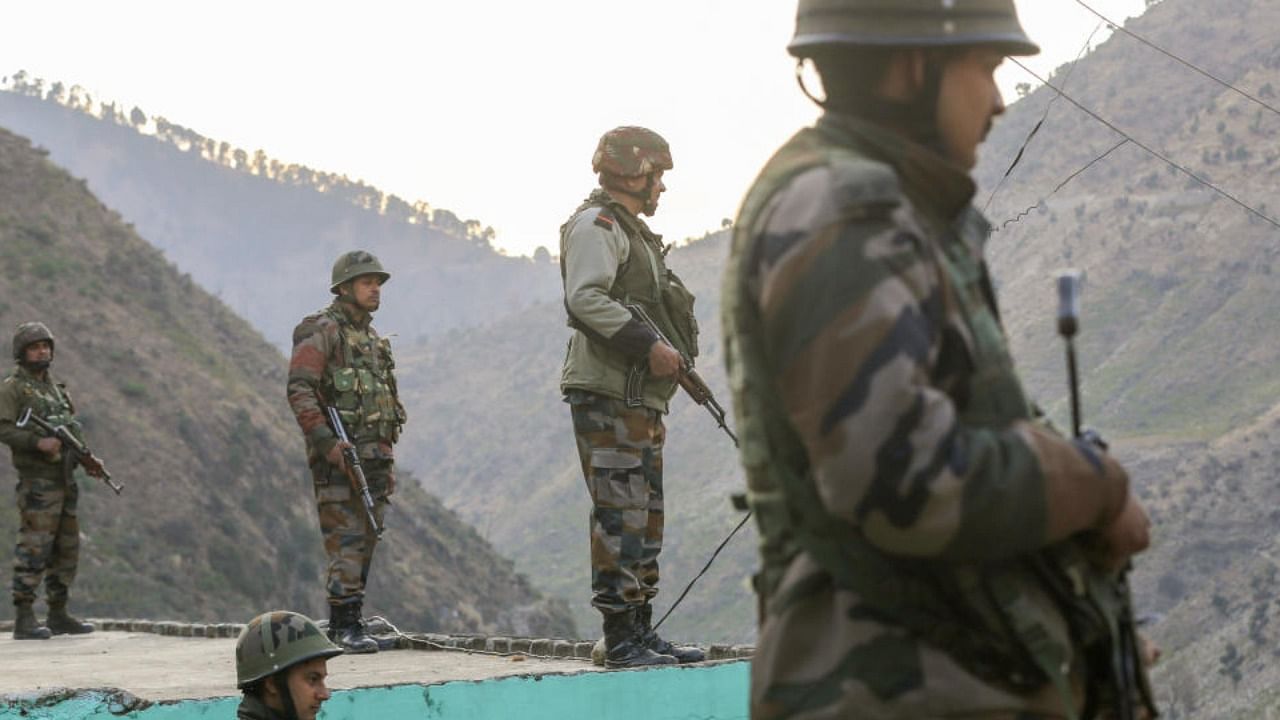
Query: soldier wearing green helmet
x=930 y=546
x=340 y=361
x=48 y=545
x=618 y=377
x=281 y=666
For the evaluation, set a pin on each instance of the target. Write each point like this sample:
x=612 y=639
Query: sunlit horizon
x=489 y=110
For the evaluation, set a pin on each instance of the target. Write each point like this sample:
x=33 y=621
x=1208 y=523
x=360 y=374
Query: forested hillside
x=262 y=234
x=185 y=401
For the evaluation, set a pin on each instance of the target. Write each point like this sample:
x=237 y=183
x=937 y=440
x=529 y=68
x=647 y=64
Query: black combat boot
x=347 y=631
x=60 y=622
x=25 y=625
x=649 y=636
x=622 y=644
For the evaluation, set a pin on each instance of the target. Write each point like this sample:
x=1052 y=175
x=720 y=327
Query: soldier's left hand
x=50 y=446
x=1127 y=535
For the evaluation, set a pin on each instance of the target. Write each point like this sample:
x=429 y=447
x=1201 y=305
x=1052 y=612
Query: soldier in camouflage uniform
x=618 y=378
x=281 y=666
x=930 y=548
x=49 y=532
x=339 y=360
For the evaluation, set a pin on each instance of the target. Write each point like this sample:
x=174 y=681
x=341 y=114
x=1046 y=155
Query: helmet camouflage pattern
x=277 y=641
x=909 y=23
x=631 y=151
x=351 y=265
x=27 y=333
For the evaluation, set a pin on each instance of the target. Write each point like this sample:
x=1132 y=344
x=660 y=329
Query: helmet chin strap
x=644 y=195
x=286 y=696
x=916 y=118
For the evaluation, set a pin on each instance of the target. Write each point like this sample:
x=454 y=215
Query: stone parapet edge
x=501 y=644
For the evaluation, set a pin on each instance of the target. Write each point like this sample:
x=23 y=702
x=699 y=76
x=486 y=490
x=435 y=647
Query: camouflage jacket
x=339 y=359
x=46 y=397
x=915 y=519
x=609 y=258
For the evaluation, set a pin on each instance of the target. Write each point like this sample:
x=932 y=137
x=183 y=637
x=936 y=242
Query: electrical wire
x=1018 y=218
x=1047 y=108
x=704 y=570
x=1175 y=57
x=1162 y=157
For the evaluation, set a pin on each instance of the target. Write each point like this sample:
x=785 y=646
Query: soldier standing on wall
x=339 y=360
x=618 y=378
x=930 y=547
x=49 y=533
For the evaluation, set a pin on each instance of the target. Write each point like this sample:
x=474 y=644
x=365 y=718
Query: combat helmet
x=909 y=23
x=630 y=151
x=27 y=333
x=276 y=641
x=351 y=265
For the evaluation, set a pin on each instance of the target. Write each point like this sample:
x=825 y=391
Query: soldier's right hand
x=50 y=446
x=1128 y=534
x=335 y=457
x=664 y=361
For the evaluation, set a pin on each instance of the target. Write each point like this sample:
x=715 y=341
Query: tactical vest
x=1011 y=623
x=643 y=280
x=50 y=401
x=364 y=388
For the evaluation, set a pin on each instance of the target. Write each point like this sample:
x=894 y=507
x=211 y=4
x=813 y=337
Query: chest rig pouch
x=364 y=388
x=645 y=280
x=50 y=401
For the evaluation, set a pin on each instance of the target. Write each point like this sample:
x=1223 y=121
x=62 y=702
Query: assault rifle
x=1127 y=672
x=689 y=379
x=355 y=471
x=79 y=451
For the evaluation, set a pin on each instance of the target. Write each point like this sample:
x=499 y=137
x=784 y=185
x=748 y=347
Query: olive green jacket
x=610 y=259
x=46 y=397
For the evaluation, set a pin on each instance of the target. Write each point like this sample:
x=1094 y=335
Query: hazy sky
x=489 y=108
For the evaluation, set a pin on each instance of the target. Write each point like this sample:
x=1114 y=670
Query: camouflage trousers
x=620 y=449
x=349 y=540
x=48 y=538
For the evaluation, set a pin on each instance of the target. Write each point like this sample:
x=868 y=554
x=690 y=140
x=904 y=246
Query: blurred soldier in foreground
x=49 y=531
x=618 y=378
x=930 y=549
x=281 y=666
x=339 y=361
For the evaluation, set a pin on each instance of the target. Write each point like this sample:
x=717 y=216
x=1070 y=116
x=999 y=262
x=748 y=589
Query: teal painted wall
x=715 y=692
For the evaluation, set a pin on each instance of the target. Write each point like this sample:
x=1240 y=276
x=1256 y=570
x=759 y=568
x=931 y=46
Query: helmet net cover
x=630 y=151
x=28 y=333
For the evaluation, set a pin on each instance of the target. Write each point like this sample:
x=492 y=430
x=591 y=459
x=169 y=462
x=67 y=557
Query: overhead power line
x=1171 y=55
x=1072 y=176
x=1018 y=157
x=1161 y=156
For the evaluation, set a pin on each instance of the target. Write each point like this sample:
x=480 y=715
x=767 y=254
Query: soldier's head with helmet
x=281 y=665
x=33 y=346
x=357 y=278
x=922 y=67
x=630 y=162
